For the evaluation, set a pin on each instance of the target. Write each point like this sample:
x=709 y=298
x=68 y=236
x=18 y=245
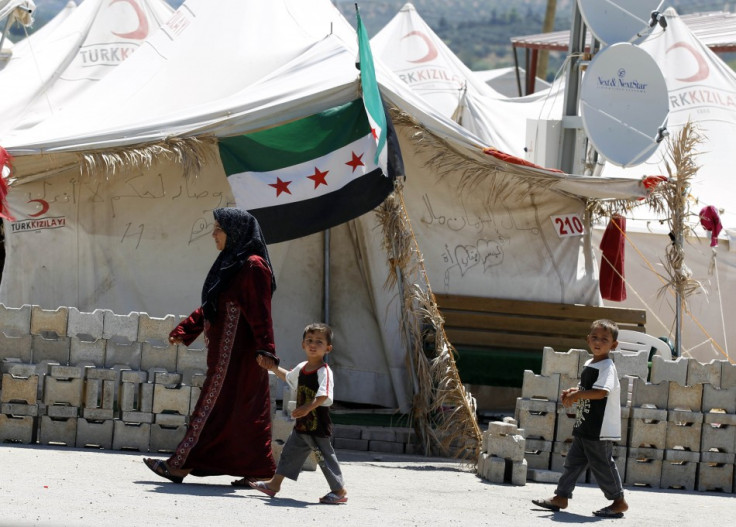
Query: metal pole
x=572 y=88
x=326 y=276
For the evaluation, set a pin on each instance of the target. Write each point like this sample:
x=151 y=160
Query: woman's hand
x=175 y=340
x=266 y=363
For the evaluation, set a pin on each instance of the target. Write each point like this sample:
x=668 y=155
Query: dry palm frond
x=192 y=153
x=674 y=195
x=443 y=412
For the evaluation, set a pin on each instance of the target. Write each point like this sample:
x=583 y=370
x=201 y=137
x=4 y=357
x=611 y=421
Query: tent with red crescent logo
x=113 y=195
x=71 y=53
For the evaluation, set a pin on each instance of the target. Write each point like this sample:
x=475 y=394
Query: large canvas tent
x=71 y=53
x=136 y=238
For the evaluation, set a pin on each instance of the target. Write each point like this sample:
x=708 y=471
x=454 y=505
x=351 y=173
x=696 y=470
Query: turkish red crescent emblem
x=703 y=68
x=142 y=31
x=431 y=50
x=44 y=207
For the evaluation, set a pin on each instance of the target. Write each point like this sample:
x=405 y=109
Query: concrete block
x=389 y=447
x=166 y=438
x=94 y=433
x=103 y=374
x=123 y=354
x=557 y=459
x=197 y=380
x=647 y=428
x=19 y=389
x=99 y=397
x=684 y=430
x=15 y=321
x=86 y=327
x=16 y=347
x=537 y=418
x=168 y=379
x=542 y=476
x=718 y=433
x=134 y=376
x=63 y=390
x=58 y=431
x=83 y=353
x=52 y=350
x=171 y=400
x=664 y=370
x=156 y=331
x=131 y=436
x=281 y=428
x=378 y=433
x=545 y=387
x=650 y=395
x=46 y=321
x=19 y=369
x=518 y=472
x=728 y=375
x=682 y=397
x=568 y=382
x=537 y=453
x=679 y=469
x=715 y=399
x=492 y=468
x=715 y=477
x=345 y=443
x=158 y=357
x=61 y=411
x=566 y=363
x=507 y=447
x=703 y=373
x=170 y=420
x=19 y=409
x=632 y=363
x=136 y=397
x=565 y=422
x=625 y=424
x=620 y=457
x=500 y=428
x=341 y=431
x=644 y=467
x=120 y=328
x=18 y=429
x=192 y=361
x=138 y=417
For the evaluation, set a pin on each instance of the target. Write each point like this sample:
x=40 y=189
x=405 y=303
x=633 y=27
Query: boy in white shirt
x=312 y=380
x=597 y=426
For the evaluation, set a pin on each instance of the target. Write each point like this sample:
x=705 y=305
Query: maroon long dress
x=230 y=429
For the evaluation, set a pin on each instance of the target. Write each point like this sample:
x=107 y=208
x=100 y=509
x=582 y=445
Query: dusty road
x=49 y=486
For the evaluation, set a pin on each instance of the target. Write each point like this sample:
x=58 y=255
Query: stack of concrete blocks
x=502 y=453
x=647 y=433
x=718 y=441
x=536 y=409
x=90 y=379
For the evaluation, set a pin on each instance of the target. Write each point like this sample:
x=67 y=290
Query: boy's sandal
x=333 y=499
x=261 y=486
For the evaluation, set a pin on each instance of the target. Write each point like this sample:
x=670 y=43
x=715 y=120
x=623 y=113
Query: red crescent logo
x=431 y=50
x=142 y=31
x=703 y=68
x=44 y=207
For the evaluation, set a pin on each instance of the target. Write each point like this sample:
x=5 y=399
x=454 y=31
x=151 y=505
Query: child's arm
x=573 y=395
x=306 y=408
x=270 y=365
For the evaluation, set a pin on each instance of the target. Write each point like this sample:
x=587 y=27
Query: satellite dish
x=624 y=104
x=613 y=21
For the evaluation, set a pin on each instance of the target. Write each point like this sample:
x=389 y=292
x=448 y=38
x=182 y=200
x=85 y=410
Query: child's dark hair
x=319 y=327
x=605 y=323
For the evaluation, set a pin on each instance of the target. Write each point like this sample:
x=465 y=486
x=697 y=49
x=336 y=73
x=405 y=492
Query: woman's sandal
x=243 y=482
x=162 y=469
x=261 y=486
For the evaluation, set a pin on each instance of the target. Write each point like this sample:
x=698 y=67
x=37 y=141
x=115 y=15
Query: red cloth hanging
x=5 y=169
x=711 y=221
x=611 y=281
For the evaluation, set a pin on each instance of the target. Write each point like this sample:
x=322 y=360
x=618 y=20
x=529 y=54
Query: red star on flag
x=319 y=177
x=280 y=186
x=356 y=162
x=373 y=133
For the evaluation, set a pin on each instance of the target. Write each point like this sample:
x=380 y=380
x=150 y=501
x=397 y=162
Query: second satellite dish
x=623 y=104
x=613 y=21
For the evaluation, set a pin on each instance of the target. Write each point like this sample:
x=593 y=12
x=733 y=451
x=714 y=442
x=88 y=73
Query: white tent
x=138 y=239
x=71 y=53
x=409 y=47
x=702 y=89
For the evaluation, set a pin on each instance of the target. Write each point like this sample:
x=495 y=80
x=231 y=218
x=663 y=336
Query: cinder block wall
x=678 y=421
x=111 y=381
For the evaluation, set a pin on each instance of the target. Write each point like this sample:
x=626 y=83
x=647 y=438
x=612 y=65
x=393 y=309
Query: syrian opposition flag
x=371 y=95
x=307 y=175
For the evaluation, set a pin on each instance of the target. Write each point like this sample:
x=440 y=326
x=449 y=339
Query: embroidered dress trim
x=211 y=389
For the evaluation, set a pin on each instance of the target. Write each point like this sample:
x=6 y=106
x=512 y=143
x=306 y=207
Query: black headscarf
x=244 y=239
